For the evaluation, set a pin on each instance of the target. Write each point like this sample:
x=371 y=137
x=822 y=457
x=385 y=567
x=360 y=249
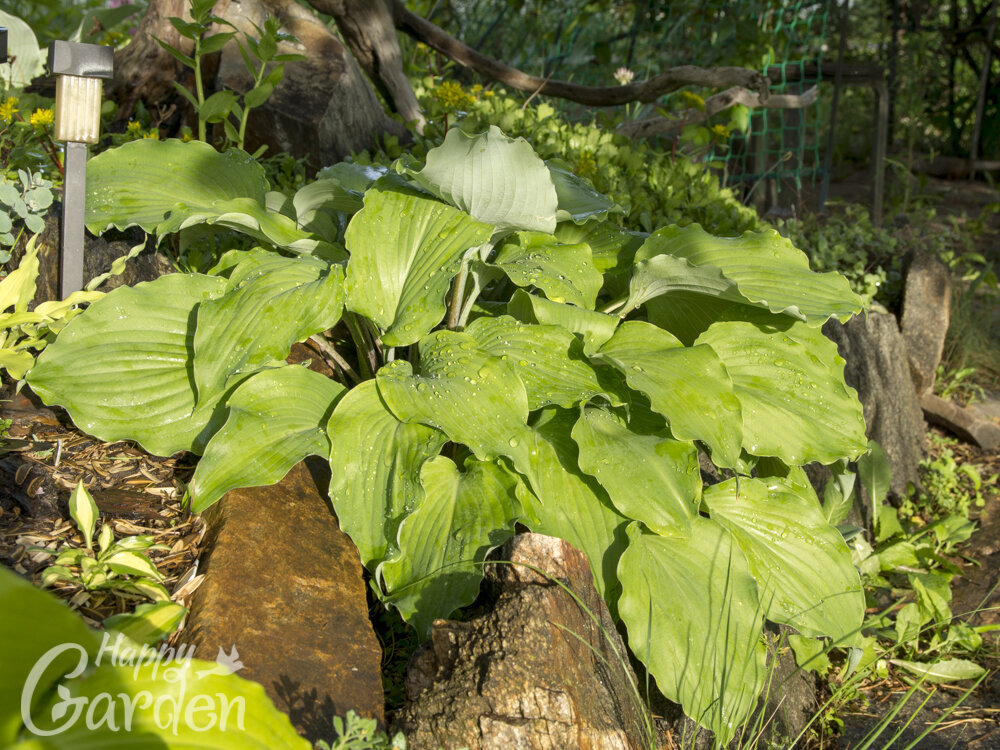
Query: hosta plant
x=507 y=355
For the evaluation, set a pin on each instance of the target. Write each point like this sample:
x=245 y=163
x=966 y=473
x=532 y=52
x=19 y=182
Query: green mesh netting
x=585 y=42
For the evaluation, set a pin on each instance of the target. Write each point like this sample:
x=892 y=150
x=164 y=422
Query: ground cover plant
x=505 y=355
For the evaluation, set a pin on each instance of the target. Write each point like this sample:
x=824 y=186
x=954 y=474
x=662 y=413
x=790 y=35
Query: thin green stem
x=199 y=89
x=246 y=109
x=457 y=296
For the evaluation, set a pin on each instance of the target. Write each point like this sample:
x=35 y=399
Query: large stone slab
x=538 y=672
x=926 y=313
x=283 y=585
x=964 y=423
x=878 y=368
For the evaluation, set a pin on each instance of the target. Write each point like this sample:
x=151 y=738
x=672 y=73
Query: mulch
x=43 y=456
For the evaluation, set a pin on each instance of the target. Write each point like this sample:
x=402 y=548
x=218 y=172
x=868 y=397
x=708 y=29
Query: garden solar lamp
x=79 y=69
x=3 y=45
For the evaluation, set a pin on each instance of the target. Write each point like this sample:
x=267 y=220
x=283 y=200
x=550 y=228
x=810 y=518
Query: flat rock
x=283 y=585
x=877 y=367
x=926 y=313
x=964 y=423
x=537 y=672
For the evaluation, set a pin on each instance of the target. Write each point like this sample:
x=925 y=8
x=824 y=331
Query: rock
x=324 y=108
x=535 y=672
x=877 y=368
x=926 y=313
x=98 y=255
x=283 y=585
x=961 y=422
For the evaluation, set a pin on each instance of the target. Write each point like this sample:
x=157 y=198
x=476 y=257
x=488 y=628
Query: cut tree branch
x=596 y=96
x=714 y=105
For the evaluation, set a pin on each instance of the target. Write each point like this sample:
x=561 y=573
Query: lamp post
x=80 y=68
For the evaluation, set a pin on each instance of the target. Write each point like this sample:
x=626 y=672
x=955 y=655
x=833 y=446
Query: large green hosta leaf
x=276 y=418
x=375 y=463
x=566 y=273
x=687 y=385
x=801 y=563
x=443 y=543
x=169 y=704
x=164 y=186
x=123 y=368
x=595 y=328
x=790 y=383
x=496 y=179
x=577 y=200
x=548 y=360
x=405 y=249
x=765 y=267
x=649 y=478
x=471 y=396
x=612 y=248
x=270 y=303
x=694 y=620
x=560 y=500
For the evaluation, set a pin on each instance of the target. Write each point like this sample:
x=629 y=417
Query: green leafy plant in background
x=226 y=106
x=357 y=733
x=504 y=354
x=120 y=566
x=70 y=668
x=26 y=203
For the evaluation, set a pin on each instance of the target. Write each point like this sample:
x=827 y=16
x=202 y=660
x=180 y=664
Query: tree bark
x=596 y=96
x=368 y=29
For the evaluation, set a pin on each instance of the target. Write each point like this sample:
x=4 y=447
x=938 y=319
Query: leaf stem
x=616 y=304
x=328 y=349
x=366 y=351
x=457 y=296
x=199 y=88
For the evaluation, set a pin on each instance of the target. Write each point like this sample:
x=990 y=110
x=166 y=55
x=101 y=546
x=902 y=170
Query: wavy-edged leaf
x=612 y=248
x=375 y=463
x=139 y=183
x=943 y=670
x=800 y=562
x=593 y=327
x=790 y=384
x=687 y=385
x=270 y=303
x=471 y=396
x=496 y=179
x=667 y=275
x=548 y=360
x=276 y=418
x=578 y=201
x=560 y=500
x=197 y=698
x=140 y=340
x=443 y=543
x=766 y=268
x=405 y=249
x=694 y=620
x=324 y=207
x=36 y=622
x=565 y=273
x=649 y=478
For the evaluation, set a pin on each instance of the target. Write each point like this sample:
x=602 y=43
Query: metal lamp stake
x=3 y=45
x=80 y=68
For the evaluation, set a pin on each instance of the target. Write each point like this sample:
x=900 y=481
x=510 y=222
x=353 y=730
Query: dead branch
x=596 y=96
x=714 y=105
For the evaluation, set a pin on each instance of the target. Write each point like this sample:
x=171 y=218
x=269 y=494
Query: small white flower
x=624 y=76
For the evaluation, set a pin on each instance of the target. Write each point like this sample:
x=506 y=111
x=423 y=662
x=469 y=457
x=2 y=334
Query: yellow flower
x=586 y=166
x=476 y=89
x=186 y=134
x=451 y=95
x=8 y=109
x=134 y=127
x=693 y=101
x=720 y=131
x=152 y=135
x=42 y=118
